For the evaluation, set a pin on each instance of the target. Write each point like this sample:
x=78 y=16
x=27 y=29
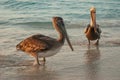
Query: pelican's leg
x=88 y=42
x=44 y=59
x=97 y=42
x=36 y=62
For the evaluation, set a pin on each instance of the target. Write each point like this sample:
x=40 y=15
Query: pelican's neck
x=61 y=37
x=93 y=20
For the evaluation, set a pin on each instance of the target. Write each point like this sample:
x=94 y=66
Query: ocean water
x=22 y=18
x=37 y=11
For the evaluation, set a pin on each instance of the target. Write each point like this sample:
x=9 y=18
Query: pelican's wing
x=86 y=29
x=98 y=29
x=35 y=43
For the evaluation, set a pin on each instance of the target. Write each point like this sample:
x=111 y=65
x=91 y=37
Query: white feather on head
x=93 y=9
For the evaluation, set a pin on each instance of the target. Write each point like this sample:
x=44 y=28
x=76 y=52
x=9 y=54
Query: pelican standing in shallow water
x=41 y=46
x=93 y=31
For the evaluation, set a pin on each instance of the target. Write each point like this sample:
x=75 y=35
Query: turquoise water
x=26 y=11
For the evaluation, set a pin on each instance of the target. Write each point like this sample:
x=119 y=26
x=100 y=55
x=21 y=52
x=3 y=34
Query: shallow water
x=84 y=63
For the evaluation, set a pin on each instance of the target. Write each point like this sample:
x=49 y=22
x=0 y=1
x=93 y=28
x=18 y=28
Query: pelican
x=41 y=46
x=93 y=31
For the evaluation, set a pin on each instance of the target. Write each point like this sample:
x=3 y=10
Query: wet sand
x=85 y=63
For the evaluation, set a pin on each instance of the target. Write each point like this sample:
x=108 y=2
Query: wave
x=37 y=25
x=70 y=25
x=24 y=4
x=34 y=23
x=3 y=22
x=15 y=5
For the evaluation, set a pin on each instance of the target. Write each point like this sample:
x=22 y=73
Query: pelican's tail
x=18 y=47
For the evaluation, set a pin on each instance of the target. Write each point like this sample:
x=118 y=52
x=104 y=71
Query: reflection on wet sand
x=92 y=66
x=37 y=73
x=92 y=54
x=13 y=68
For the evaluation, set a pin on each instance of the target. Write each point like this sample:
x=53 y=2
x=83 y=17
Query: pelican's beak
x=66 y=35
x=69 y=43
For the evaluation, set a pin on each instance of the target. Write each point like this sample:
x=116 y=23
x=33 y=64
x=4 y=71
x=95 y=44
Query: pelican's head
x=93 y=9
x=58 y=24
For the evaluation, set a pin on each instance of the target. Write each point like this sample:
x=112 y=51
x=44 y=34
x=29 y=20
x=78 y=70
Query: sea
x=20 y=19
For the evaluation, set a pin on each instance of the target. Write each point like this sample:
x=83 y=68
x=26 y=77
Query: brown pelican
x=41 y=46
x=93 y=31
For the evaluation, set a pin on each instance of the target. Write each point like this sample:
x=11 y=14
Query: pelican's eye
x=60 y=23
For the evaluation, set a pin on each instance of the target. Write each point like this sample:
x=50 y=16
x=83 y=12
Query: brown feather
x=91 y=34
x=36 y=43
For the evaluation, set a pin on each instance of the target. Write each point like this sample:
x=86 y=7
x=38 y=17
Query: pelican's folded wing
x=99 y=29
x=86 y=29
x=35 y=43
